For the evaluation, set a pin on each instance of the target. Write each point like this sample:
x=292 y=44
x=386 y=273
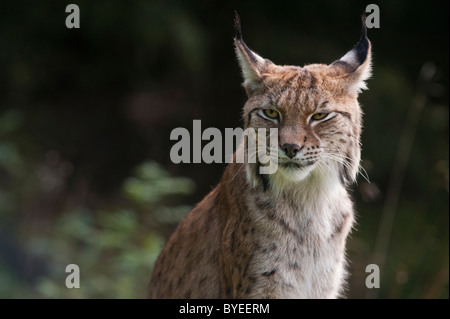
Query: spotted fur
x=281 y=235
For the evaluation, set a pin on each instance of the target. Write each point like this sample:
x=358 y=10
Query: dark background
x=86 y=114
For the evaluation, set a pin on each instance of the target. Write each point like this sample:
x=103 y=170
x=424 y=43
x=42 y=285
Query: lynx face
x=314 y=107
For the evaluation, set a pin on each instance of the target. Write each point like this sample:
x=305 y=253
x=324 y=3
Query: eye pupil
x=271 y=113
x=319 y=116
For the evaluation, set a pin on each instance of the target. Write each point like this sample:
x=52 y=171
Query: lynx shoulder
x=280 y=235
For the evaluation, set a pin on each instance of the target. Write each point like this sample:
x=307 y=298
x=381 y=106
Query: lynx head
x=314 y=107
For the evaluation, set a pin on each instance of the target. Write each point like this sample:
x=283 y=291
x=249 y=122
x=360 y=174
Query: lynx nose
x=290 y=149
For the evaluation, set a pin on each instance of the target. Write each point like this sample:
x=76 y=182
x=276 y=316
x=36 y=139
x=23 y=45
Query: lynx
x=280 y=235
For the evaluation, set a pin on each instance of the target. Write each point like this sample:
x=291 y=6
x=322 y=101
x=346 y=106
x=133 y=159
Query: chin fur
x=287 y=179
x=291 y=174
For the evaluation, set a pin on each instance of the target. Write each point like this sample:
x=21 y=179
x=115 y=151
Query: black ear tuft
x=363 y=27
x=237 y=25
x=238 y=38
x=358 y=55
x=355 y=65
x=252 y=65
x=363 y=44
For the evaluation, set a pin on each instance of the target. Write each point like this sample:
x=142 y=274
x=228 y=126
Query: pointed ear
x=252 y=65
x=354 y=68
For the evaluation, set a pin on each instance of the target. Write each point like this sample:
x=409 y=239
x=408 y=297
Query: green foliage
x=114 y=251
x=115 y=247
x=154 y=183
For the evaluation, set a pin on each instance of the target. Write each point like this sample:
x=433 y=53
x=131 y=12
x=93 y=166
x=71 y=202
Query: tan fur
x=281 y=235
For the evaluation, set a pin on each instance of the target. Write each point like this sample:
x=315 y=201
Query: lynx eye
x=271 y=114
x=319 y=116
